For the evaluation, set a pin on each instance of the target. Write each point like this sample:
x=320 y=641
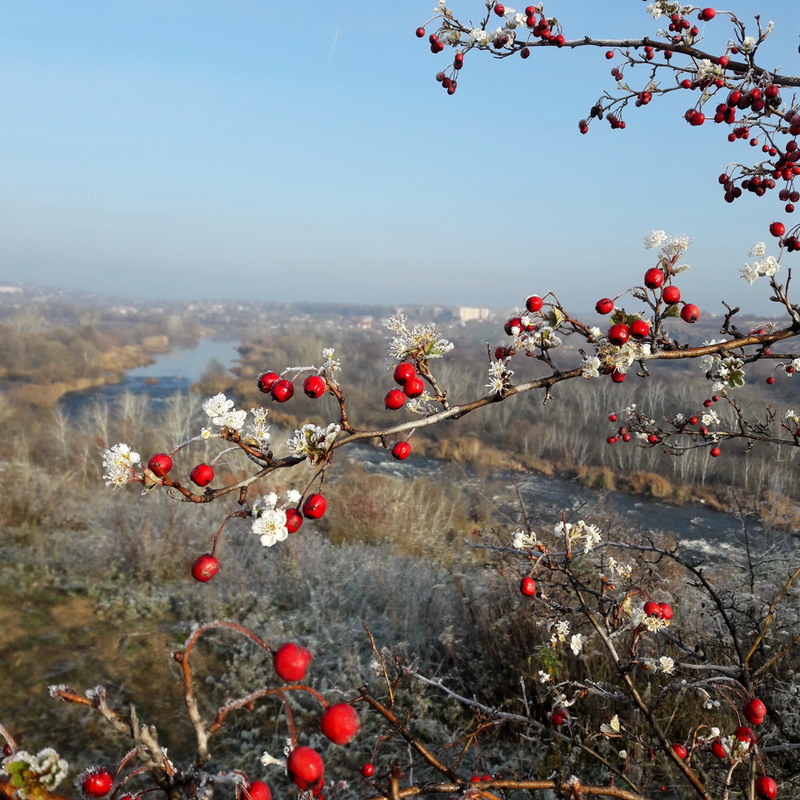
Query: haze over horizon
x=200 y=150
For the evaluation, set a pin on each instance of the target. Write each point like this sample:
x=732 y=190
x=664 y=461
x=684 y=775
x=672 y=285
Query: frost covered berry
x=291 y=661
x=205 y=568
x=160 y=464
x=340 y=723
x=95 y=782
x=305 y=768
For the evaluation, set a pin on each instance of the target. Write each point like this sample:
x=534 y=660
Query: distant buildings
x=465 y=313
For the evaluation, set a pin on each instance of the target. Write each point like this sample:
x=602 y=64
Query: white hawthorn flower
x=478 y=37
x=710 y=417
x=576 y=643
x=313 y=442
x=119 y=462
x=559 y=630
x=750 y=273
x=293 y=496
x=654 y=239
x=47 y=766
x=748 y=44
x=221 y=411
x=422 y=341
x=590 y=368
x=666 y=665
x=522 y=539
x=758 y=250
x=676 y=244
x=544 y=677
x=270 y=526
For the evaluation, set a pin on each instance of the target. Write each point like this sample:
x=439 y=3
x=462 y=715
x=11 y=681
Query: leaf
x=613 y=727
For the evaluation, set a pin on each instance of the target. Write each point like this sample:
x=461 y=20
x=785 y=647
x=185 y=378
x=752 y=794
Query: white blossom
x=422 y=341
x=666 y=665
x=590 y=368
x=221 y=412
x=478 y=37
x=748 y=44
x=119 y=462
x=710 y=417
x=654 y=239
x=270 y=526
x=544 y=677
x=522 y=539
x=576 y=643
x=313 y=442
x=758 y=250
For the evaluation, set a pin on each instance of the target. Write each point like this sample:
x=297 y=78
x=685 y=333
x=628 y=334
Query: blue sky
x=254 y=149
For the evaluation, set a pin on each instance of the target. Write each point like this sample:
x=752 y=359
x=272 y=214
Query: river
x=701 y=531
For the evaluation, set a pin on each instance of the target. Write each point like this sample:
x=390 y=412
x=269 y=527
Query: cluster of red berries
x=778 y=230
x=160 y=464
x=339 y=722
x=405 y=375
x=658 y=610
x=282 y=389
x=206 y=566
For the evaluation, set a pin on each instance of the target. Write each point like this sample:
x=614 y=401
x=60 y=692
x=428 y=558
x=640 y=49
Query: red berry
x=744 y=734
x=160 y=464
x=401 y=450
x=666 y=611
x=282 y=390
x=514 y=322
x=766 y=788
x=654 y=278
x=680 y=750
x=367 y=770
x=340 y=723
x=770 y=380
x=619 y=334
x=755 y=711
x=205 y=568
x=291 y=662
x=652 y=438
x=639 y=328
x=534 y=303
x=528 y=586
x=96 y=782
x=719 y=749
x=690 y=313
x=707 y=14
x=266 y=380
x=671 y=295
x=294 y=520
x=202 y=474
x=559 y=717
x=652 y=609
x=314 y=506
x=612 y=417
x=714 y=452
x=394 y=399
x=604 y=306
x=693 y=420
x=305 y=768
x=257 y=790
x=314 y=386
x=777 y=229
x=499 y=9
x=420 y=32
x=617 y=376
x=414 y=387
x=609 y=54
x=404 y=371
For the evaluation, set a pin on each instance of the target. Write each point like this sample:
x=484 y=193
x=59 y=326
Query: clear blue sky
x=249 y=148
